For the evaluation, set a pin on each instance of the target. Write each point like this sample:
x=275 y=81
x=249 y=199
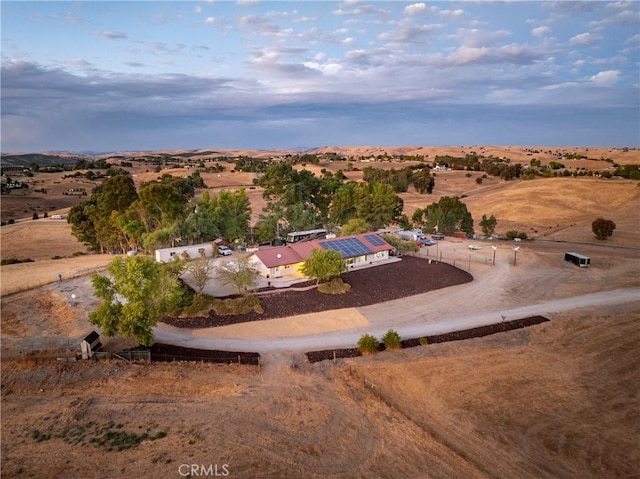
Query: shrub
x=368 y=344
x=513 y=234
x=423 y=341
x=14 y=260
x=35 y=216
x=391 y=340
x=199 y=304
x=335 y=286
x=241 y=305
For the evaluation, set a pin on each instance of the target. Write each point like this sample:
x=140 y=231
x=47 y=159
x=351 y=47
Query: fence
x=45 y=347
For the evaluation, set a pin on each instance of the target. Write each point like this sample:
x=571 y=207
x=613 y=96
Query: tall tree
x=92 y=221
x=488 y=225
x=136 y=297
x=162 y=204
x=448 y=215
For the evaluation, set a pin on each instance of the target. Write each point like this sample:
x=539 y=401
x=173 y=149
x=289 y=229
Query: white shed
x=165 y=255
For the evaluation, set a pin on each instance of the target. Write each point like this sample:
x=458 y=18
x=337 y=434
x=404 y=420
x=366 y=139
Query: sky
x=107 y=76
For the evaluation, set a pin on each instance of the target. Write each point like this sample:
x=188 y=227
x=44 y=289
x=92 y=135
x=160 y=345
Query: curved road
x=205 y=339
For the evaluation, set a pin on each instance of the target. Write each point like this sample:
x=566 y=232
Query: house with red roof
x=357 y=250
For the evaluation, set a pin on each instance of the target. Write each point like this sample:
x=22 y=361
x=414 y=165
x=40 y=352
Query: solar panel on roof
x=347 y=247
x=375 y=240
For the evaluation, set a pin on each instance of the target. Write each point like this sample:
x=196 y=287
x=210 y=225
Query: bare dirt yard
x=560 y=399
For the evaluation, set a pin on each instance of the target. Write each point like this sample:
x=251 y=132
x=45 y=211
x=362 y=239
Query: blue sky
x=109 y=76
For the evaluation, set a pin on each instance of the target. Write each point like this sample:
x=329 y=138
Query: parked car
x=474 y=247
x=428 y=242
x=224 y=250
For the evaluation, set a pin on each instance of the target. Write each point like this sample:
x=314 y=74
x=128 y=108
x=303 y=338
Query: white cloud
x=112 y=35
x=348 y=41
x=468 y=54
x=451 y=13
x=415 y=9
x=540 y=32
x=327 y=68
x=583 y=39
x=198 y=9
x=475 y=37
x=606 y=78
x=78 y=62
x=210 y=20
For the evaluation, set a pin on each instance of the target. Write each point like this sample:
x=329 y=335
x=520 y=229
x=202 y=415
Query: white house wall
x=165 y=255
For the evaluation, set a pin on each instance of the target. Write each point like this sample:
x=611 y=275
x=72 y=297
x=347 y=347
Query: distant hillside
x=40 y=159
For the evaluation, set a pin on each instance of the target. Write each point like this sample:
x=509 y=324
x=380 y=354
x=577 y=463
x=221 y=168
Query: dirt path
x=405 y=322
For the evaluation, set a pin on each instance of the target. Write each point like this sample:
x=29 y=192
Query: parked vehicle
x=224 y=250
x=474 y=247
x=578 y=259
x=437 y=236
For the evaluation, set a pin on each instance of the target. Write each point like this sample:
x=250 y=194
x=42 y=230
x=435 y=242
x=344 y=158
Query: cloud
x=210 y=20
x=475 y=37
x=415 y=9
x=409 y=33
x=540 y=32
x=606 y=78
x=359 y=10
x=197 y=9
x=112 y=35
x=79 y=62
x=451 y=13
x=583 y=39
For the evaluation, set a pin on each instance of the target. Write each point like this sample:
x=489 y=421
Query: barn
x=357 y=250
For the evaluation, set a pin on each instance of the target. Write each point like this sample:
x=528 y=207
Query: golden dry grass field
x=560 y=399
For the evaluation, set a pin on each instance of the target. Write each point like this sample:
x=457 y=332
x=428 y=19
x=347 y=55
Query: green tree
x=324 y=264
x=162 y=204
x=230 y=211
x=603 y=228
x=355 y=226
x=448 y=215
x=199 y=226
x=135 y=297
x=239 y=273
x=92 y=221
x=488 y=225
x=301 y=217
x=423 y=181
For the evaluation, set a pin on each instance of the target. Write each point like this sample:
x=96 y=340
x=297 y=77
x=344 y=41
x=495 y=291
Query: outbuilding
x=578 y=259
x=165 y=255
x=90 y=344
